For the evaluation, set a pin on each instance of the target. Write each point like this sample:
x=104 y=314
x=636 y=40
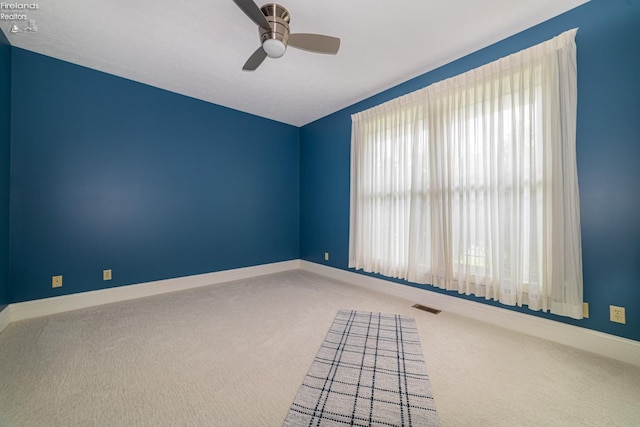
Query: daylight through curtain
x=470 y=184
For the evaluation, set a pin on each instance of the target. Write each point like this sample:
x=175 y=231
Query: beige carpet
x=236 y=354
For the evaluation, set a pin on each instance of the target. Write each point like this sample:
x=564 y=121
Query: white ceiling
x=197 y=48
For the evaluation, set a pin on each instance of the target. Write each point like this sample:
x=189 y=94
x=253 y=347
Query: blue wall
x=5 y=152
x=608 y=147
x=109 y=173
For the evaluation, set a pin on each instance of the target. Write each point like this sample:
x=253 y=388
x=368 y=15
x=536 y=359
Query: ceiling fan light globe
x=274 y=48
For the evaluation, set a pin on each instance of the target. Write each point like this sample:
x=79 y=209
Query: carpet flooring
x=235 y=354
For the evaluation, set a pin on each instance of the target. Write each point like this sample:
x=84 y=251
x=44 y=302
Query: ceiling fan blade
x=255 y=60
x=253 y=12
x=315 y=43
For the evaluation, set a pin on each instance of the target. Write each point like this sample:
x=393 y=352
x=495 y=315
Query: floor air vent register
x=425 y=308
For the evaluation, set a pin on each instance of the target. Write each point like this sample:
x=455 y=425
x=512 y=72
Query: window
x=470 y=184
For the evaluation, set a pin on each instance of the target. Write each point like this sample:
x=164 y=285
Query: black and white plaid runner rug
x=368 y=372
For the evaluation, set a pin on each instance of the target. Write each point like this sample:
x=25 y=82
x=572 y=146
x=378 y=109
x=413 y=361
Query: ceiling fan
x=273 y=25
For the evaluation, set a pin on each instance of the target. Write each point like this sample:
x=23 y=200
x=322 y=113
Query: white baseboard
x=46 y=306
x=607 y=345
x=5 y=318
x=600 y=343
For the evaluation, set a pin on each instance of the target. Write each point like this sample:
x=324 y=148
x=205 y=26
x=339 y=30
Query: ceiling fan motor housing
x=278 y=18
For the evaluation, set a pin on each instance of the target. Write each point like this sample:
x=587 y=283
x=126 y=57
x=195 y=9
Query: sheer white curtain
x=470 y=184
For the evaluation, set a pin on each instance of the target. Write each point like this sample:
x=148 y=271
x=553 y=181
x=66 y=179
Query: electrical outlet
x=56 y=281
x=617 y=314
x=106 y=274
x=326 y=256
x=585 y=310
